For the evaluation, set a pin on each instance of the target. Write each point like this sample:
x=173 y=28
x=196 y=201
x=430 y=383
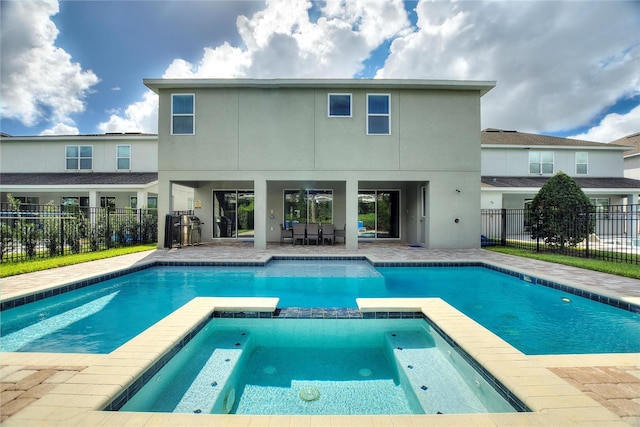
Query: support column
x=141 y=196
x=164 y=207
x=93 y=199
x=260 y=214
x=351 y=215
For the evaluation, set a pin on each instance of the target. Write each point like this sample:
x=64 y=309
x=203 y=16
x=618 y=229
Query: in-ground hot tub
x=318 y=366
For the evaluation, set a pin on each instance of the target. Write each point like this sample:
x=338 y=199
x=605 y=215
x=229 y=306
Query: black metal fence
x=612 y=232
x=42 y=231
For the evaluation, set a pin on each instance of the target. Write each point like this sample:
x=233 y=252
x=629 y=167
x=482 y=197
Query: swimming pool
x=533 y=318
x=312 y=367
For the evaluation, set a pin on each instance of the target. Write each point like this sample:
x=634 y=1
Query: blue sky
x=563 y=68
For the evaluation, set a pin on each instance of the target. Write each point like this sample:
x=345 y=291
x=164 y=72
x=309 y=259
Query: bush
x=560 y=213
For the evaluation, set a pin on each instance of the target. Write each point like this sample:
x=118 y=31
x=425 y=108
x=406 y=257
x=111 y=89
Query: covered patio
x=372 y=211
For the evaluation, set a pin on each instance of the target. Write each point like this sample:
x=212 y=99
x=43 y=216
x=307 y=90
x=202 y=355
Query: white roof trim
x=483 y=86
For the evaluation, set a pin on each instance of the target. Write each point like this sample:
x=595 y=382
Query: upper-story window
x=79 y=157
x=378 y=114
x=123 y=157
x=541 y=162
x=339 y=105
x=182 y=114
x=582 y=163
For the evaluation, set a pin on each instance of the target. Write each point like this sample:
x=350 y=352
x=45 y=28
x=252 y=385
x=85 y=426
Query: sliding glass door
x=379 y=214
x=308 y=206
x=233 y=212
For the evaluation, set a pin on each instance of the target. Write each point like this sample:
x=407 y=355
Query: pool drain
x=309 y=394
x=365 y=372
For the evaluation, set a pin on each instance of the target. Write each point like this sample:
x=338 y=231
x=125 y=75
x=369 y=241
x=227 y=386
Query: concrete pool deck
x=71 y=389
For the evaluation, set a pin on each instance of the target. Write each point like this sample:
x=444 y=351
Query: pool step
x=436 y=383
x=210 y=391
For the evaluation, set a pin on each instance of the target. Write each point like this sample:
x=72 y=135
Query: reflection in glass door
x=379 y=214
x=308 y=206
x=233 y=212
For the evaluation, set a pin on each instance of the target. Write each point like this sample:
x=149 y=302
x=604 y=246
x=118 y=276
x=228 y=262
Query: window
x=233 y=212
x=79 y=157
x=600 y=204
x=378 y=114
x=378 y=214
x=541 y=162
x=312 y=206
x=339 y=105
x=26 y=200
x=123 y=157
x=107 y=202
x=152 y=202
x=75 y=204
x=182 y=114
x=75 y=201
x=582 y=163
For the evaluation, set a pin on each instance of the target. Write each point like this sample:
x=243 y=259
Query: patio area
x=62 y=389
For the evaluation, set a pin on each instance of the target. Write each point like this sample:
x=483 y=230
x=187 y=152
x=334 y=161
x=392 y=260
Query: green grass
x=617 y=268
x=14 y=268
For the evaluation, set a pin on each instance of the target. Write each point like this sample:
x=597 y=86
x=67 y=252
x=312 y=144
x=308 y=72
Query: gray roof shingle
x=512 y=137
x=538 y=182
x=632 y=140
x=78 y=178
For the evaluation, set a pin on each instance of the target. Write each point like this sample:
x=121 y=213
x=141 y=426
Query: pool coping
x=103 y=377
x=83 y=398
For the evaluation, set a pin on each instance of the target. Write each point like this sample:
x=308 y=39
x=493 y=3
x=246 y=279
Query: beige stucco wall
x=632 y=167
x=48 y=154
x=514 y=161
x=277 y=138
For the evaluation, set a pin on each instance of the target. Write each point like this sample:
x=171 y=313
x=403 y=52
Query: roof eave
x=483 y=86
x=556 y=147
x=32 y=187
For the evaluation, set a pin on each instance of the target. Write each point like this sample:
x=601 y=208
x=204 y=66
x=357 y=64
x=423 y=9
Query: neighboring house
x=386 y=159
x=516 y=165
x=631 y=157
x=110 y=170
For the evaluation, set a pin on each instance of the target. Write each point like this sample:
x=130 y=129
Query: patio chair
x=329 y=233
x=299 y=233
x=285 y=233
x=313 y=233
x=341 y=232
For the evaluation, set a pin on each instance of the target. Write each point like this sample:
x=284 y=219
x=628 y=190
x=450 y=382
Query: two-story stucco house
x=109 y=170
x=383 y=159
x=515 y=165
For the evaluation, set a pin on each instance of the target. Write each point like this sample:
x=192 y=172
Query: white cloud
x=613 y=126
x=557 y=64
x=282 y=41
x=39 y=80
x=61 y=129
x=141 y=116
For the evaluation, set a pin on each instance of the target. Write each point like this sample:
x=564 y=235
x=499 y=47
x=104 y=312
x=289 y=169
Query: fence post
x=503 y=227
x=587 y=226
x=108 y=236
x=62 y=242
x=139 y=226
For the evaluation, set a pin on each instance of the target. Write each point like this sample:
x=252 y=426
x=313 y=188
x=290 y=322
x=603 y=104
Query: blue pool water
x=312 y=367
x=533 y=318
